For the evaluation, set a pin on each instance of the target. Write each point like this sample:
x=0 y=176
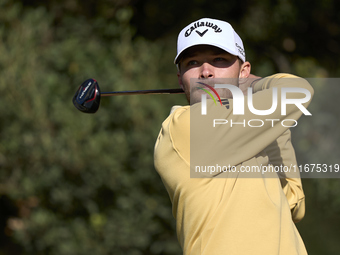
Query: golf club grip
x=142 y=92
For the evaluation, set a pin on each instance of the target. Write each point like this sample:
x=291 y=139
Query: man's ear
x=245 y=70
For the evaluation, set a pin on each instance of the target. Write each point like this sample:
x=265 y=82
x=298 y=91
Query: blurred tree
x=81 y=184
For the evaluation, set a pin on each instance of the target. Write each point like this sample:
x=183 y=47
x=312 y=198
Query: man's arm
x=242 y=141
x=282 y=153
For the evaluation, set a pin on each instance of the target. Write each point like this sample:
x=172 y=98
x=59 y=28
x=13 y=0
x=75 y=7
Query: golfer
x=234 y=211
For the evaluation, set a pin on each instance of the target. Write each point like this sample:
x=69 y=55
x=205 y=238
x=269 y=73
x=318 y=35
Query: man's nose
x=206 y=71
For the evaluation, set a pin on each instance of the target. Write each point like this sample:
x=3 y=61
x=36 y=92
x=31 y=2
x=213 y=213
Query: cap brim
x=180 y=54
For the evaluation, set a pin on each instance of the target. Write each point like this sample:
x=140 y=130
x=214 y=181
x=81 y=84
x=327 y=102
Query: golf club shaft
x=143 y=92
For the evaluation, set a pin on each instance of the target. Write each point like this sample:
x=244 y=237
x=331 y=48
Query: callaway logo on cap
x=210 y=32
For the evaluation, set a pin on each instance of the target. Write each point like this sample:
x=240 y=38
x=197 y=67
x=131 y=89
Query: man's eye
x=219 y=59
x=192 y=63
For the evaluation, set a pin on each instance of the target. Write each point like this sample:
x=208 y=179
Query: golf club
x=87 y=97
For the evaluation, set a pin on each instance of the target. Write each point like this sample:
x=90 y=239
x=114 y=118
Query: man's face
x=208 y=63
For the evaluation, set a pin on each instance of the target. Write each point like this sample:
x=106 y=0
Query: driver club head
x=87 y=97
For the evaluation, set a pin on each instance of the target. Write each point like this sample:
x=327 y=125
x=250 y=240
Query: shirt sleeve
x=235 y=141
x=281 y=153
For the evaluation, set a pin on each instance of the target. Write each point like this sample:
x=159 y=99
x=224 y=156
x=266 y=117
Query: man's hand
x=245 y=83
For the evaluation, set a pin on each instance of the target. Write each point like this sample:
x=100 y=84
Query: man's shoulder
x=176 y=107
x=178 y=110
x=177 y=114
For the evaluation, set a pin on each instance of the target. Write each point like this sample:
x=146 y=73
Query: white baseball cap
x=213 y=32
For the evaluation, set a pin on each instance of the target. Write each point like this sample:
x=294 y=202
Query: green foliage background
x=72 y=183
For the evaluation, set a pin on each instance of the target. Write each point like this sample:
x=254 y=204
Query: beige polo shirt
x=229 y=213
